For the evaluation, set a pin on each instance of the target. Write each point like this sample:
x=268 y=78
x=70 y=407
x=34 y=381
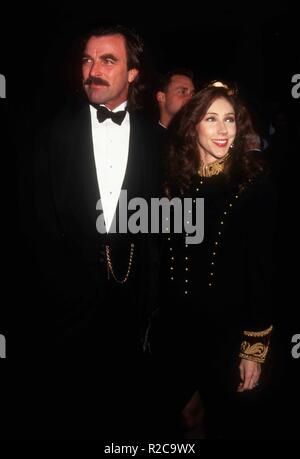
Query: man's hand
x=250 y=373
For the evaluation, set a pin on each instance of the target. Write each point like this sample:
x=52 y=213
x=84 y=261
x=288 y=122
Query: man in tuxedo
x=96 y=290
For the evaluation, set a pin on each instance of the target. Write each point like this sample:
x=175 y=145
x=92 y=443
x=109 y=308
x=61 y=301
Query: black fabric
x=72 y=274
x=117 y=117
x=85 y=331
x=195 y=336
x=243 y=265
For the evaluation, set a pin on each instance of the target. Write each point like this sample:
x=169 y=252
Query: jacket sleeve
x=260 y=236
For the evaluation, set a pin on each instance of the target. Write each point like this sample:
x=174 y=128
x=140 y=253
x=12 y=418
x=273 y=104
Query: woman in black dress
x=214 y=321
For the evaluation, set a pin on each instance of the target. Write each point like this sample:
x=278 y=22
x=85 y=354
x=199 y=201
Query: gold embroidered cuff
x=255 y=345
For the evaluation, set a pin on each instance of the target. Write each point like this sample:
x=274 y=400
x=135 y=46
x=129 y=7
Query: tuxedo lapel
x=75 y=180
x=77 y=191
x=86 y=182
x=133 y=180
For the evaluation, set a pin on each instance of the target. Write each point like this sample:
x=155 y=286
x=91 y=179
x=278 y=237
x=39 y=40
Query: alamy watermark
x=296 y=348
x=296 y=88
x=2 y=347
x=187 y=216
x=2 y=87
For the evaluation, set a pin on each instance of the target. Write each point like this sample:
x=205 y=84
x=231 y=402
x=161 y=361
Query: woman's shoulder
x=258 y=200
x=260 y=188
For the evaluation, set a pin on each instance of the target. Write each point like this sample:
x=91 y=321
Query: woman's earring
x=232 y=145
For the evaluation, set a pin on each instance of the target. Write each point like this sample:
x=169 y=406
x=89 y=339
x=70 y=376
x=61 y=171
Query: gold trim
x=231 y=91
x=256 y=346
x=260 y=333
x=215 y=168
x=256 y=352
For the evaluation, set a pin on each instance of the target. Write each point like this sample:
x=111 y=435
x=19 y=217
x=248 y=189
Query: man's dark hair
x=165 y=80
x=135 y=50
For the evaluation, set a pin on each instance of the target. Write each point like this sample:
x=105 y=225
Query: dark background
x=250 y=43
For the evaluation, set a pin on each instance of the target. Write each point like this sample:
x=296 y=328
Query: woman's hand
x=249 y=373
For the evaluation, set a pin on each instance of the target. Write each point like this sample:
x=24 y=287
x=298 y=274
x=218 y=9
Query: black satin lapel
x=133 y=180
x=87 y=172
x=82 y=191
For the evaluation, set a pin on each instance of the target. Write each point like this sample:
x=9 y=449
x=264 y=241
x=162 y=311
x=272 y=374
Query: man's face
x=104 y=70
x=179 y=92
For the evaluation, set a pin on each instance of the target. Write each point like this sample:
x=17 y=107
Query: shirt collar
x=162 y=125
x=120 y=107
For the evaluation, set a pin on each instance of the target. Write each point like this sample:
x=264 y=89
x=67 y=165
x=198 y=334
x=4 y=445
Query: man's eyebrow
x=181 y=86
x=109 y=56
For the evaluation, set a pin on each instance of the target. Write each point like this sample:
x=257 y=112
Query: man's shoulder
x=70 y=115
x=148 y=126
x=65 y=124
x=140 y=118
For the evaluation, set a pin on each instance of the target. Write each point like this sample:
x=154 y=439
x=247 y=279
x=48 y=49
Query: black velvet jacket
x=223 y=286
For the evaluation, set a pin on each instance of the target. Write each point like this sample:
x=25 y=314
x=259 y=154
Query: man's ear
x=132 y=74
x=160 y=96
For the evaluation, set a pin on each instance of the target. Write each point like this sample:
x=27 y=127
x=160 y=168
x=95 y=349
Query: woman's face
x=216 y=131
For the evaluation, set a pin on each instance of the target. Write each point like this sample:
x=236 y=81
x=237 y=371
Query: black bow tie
x=117 y=117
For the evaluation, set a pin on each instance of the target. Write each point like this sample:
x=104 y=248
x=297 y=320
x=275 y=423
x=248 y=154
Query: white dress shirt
x=111 y=146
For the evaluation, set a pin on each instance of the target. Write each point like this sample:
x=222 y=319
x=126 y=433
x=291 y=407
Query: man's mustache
x=96 y=81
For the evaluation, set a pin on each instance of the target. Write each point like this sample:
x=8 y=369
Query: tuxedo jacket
x=81 y=305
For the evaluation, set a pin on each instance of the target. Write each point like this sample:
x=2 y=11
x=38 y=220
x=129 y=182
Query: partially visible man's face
x=104 y=70
x=179 y=92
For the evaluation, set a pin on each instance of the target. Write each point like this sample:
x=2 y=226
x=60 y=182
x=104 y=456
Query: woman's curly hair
x=182 y=154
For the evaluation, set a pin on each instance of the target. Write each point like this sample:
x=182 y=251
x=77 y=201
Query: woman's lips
x=220 y=143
